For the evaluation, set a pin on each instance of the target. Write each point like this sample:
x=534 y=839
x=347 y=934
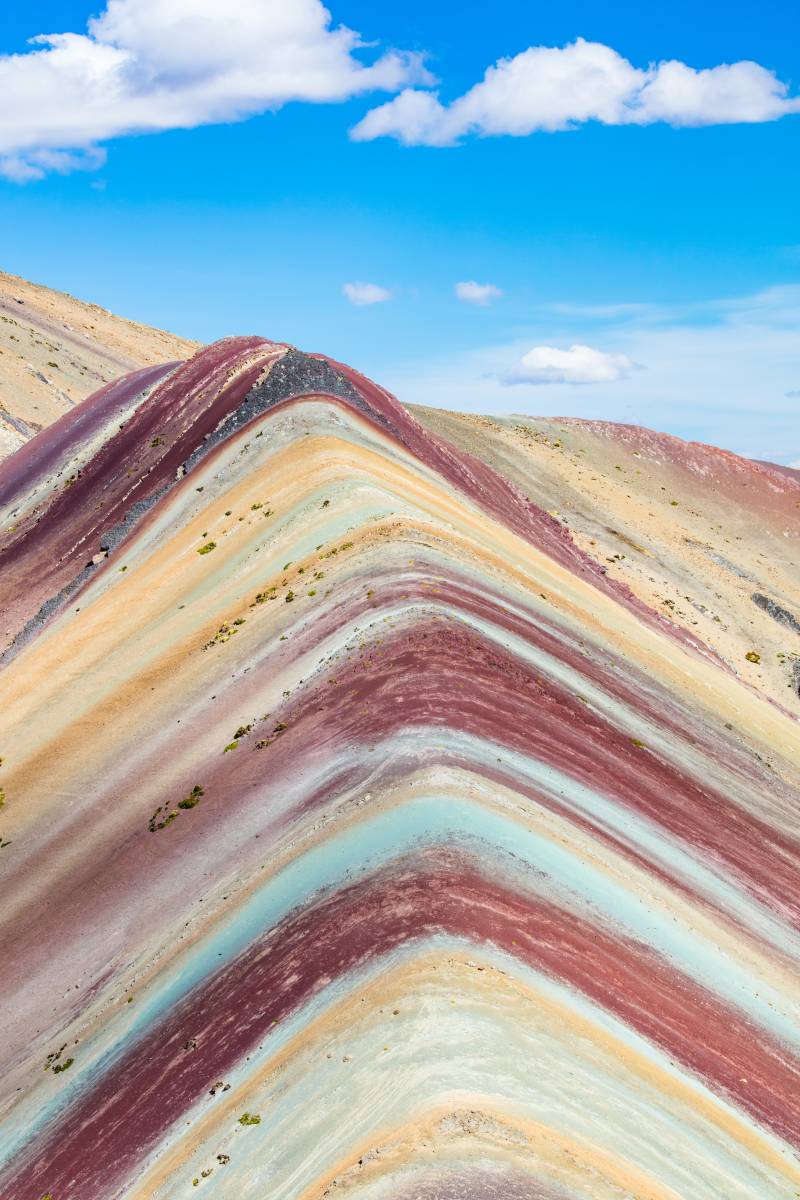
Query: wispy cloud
x=146 y=65
x=773 y=306
x=361 y=294
x=604 y=312
x=555 y=88
x=470 y=292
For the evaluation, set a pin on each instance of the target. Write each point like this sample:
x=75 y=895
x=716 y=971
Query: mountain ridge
x=369 y=827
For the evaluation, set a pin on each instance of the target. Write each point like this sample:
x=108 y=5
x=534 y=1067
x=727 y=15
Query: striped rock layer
x=361 y=835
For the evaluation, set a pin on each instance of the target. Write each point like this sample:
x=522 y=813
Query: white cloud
x=730 y=94
x=550 y=88
x=471 y=292
x=150 y=65
x=579 y=364
x=360 y=294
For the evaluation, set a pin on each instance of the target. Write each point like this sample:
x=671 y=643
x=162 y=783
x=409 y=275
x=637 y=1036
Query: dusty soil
x=56 y=350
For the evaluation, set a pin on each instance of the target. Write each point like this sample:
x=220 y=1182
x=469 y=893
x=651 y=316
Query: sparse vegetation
x=154 y=824
x=223 y=634
x=54 y=1056
x=193 y=798
x=262 y=597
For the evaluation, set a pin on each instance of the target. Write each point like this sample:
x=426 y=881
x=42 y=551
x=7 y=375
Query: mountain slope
x=56 y=350
x=709 y=539
x=365 y=832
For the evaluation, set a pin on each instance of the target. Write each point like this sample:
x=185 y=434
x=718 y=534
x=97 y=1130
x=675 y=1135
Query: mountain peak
x=356 y=756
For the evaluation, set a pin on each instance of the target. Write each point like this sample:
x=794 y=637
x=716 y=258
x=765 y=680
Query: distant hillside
x=703 y=536
x=56 y=350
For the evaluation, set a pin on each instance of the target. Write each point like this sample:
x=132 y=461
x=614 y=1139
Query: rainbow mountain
x=394 y=804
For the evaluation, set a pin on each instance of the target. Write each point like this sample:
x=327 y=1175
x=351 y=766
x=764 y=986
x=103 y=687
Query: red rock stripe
x=439 y=675
x=127 y=470
x=50 y=448
x=105 y=1135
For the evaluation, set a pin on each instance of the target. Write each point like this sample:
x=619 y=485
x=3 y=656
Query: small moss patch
x=154 y=824
x=223 y=634
x=262 y=597
x=193 y=798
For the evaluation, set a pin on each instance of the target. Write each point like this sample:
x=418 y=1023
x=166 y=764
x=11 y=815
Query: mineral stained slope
x=366 y=833
x=56 y=350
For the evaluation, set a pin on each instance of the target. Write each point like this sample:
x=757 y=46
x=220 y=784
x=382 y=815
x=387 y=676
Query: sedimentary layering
x=364 y=832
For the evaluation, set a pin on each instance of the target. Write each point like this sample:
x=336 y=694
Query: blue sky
x=669 y=247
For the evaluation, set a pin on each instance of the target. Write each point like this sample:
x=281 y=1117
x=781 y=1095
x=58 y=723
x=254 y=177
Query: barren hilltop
x=56 y=350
